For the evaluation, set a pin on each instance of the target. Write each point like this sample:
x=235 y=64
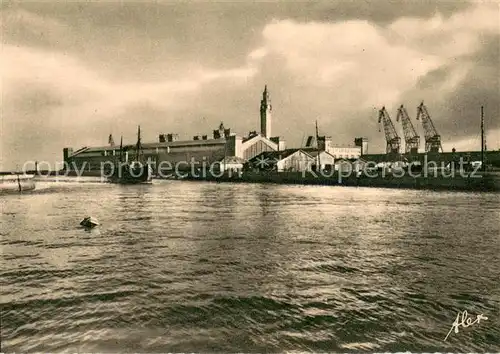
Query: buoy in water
x=89 y=221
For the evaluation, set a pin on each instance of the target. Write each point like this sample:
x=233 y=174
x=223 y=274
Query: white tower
x=265 y=114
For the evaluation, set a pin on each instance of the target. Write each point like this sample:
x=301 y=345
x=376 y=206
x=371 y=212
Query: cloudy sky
x=74 y=72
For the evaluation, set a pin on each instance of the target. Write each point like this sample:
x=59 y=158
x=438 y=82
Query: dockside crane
x=393 y=141
x=432 y=138
x=412 y=139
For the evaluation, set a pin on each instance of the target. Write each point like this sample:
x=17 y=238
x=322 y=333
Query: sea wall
x=459 y=183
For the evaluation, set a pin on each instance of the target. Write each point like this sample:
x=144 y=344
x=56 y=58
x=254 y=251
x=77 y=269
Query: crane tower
x=393 y=141
x=432 y=138
x=412 y=140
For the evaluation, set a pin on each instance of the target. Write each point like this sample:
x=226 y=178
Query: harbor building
x=231 y=150
x=350 y=165
x=223 y=146
x=323 y=159
x=169 y=151
x=361 y=143
x=325 y=143
x=289 y=160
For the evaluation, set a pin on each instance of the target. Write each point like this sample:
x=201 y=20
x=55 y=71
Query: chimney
x=321 y=143
x=280 y=142
x=363 y=144
x=324 y=143
x=67 y=152
x=172 y=137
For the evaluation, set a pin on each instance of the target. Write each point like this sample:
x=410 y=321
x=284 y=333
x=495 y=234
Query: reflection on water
x=179 y=266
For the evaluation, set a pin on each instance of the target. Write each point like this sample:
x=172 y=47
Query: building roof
x=350 y=160
x=341 y=160
x=277 y=155
x=315 y=153
x=251 y=136
x=151 y=145
x=359 y=159
x=248 y=141
x=336 y=146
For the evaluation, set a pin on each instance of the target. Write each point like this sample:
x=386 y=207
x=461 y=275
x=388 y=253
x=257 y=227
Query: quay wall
x=489 y=182
x=482 y=183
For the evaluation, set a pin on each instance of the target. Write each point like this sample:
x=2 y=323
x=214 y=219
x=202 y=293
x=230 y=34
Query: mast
x=482 y=139
x=121 y=149
x=317 y=147
x=138 y=145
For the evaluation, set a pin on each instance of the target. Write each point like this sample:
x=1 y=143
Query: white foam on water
x=69 y=179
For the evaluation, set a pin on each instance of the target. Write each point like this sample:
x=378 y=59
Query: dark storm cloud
x=147 y=40
x=381 y=12
x=481 y=88
x=145 y=15
x=456 y=114
x=138 y=36
x=215 y=30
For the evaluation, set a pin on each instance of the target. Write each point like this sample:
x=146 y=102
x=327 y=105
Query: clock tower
x=265 y=114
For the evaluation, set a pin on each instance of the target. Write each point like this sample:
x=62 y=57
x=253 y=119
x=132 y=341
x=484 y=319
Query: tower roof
x=265 y=93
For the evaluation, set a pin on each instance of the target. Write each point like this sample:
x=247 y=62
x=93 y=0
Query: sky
x=74 y=72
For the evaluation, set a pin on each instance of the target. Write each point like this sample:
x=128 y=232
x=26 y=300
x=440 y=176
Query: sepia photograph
x=231 y=176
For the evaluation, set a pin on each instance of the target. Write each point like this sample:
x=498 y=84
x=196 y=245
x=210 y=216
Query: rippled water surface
x=187 y=266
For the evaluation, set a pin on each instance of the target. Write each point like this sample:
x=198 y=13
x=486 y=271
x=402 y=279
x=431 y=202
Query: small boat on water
x=134 y=172
x=16 y=183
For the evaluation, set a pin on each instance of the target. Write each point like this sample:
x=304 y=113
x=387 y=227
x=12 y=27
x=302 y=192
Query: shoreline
x=489 y=182
x=486 y=183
